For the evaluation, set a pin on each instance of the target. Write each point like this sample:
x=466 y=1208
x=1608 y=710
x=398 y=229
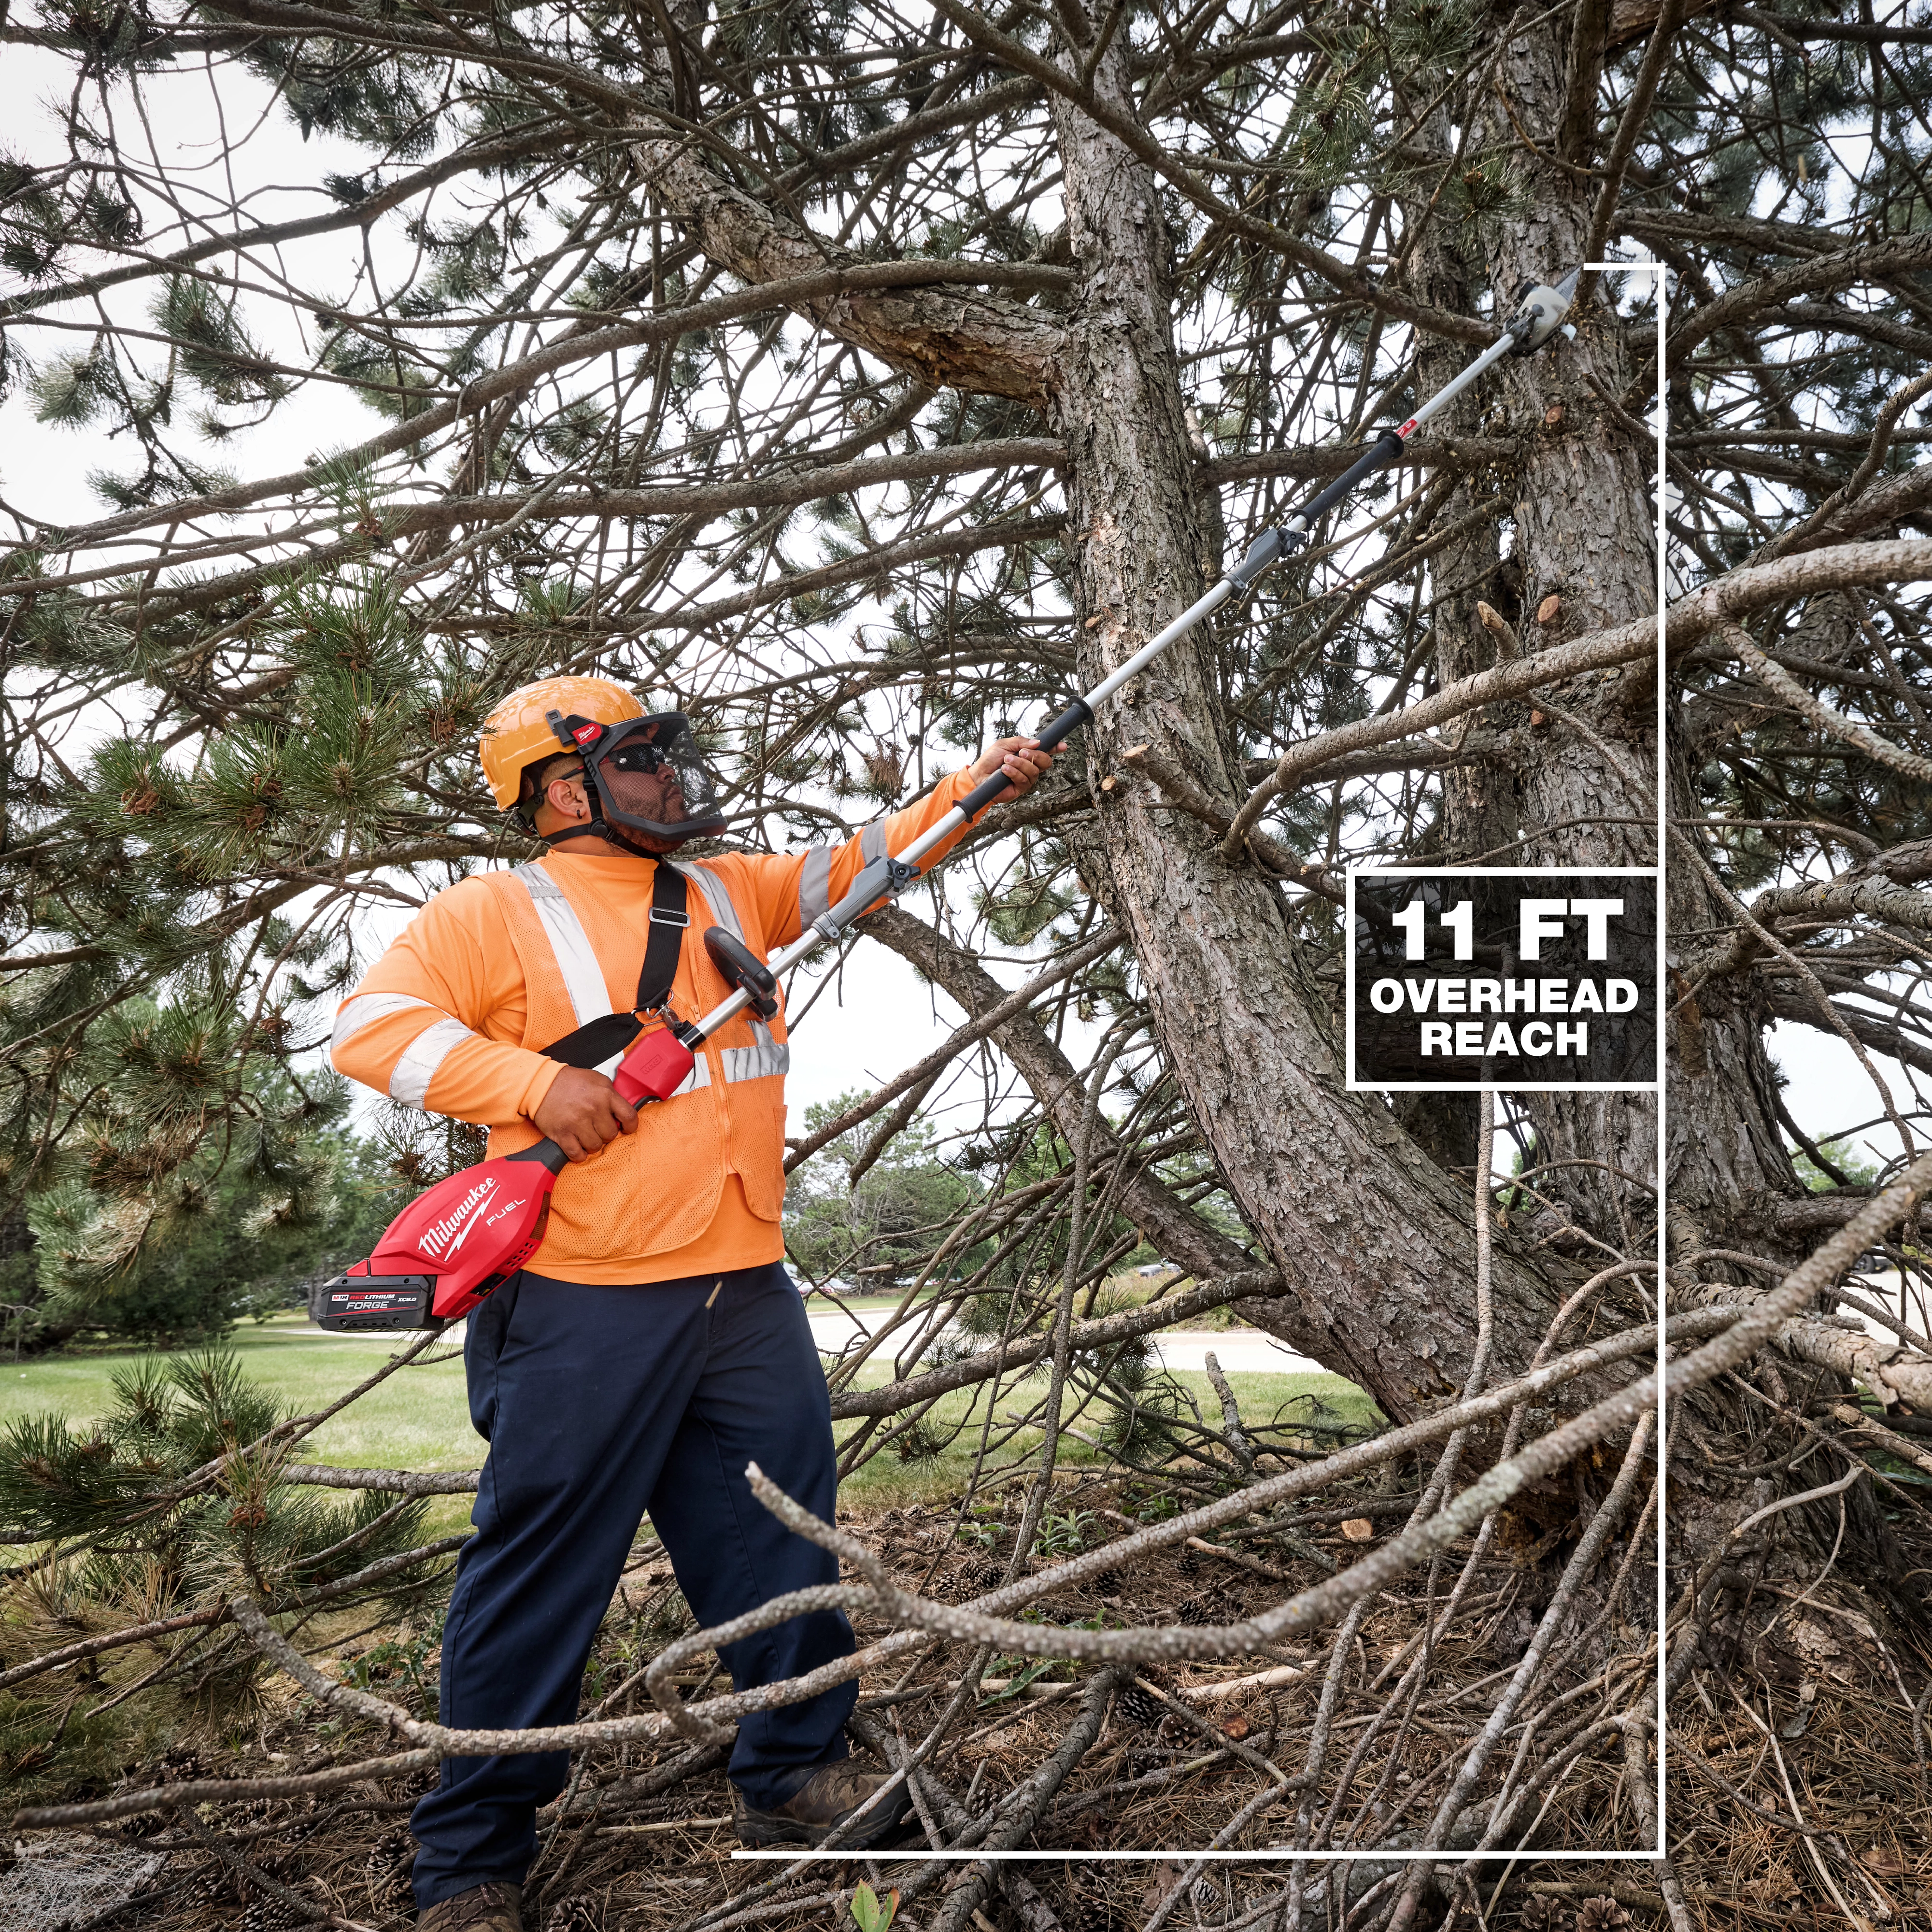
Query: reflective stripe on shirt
x=410 y=1078
x=814 y=886
x=366 y=1009
x=815 y=880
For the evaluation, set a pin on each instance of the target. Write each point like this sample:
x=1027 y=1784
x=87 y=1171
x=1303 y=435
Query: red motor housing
x=449 y=1247
x=460 y=1240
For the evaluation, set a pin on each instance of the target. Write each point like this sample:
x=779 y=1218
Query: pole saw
x=459 y=1241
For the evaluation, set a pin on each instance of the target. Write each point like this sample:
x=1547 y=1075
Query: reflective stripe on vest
x=766 y=1056
x=576 y=961
x=583 y=977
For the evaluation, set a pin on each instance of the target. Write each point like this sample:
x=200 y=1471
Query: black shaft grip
x=1385 y=449
x=983 y=794
x=1069 y=721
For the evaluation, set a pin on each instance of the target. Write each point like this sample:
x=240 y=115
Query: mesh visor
x=651 y=778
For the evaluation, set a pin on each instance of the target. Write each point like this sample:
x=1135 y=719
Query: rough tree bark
x=1583 y=556
x=1375 y=1236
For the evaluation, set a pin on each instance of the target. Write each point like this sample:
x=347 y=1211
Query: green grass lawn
x=419 y=1417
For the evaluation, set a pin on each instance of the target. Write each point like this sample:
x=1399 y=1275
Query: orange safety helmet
x=518 y=734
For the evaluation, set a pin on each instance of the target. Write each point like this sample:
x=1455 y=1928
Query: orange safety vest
x=658 y=1189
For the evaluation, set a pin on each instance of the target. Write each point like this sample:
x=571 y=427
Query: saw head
x=1541 y=310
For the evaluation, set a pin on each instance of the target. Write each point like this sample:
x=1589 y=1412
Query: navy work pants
x=599 y=1403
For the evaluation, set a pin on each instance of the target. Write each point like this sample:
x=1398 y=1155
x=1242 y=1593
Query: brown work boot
x=832 y=1795
x=494 y=1906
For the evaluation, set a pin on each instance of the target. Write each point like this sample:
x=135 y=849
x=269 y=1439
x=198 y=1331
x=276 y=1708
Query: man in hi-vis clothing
x=656 y=1344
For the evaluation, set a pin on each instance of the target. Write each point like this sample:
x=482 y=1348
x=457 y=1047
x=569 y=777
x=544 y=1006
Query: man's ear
x=561 y=800
x=564 y=796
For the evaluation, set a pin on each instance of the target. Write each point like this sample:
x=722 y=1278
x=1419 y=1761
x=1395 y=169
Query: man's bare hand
x=583 y=1113
x=1020 y=759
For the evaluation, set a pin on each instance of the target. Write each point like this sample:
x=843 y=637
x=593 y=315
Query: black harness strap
x=669 y=923
x=592 y=1044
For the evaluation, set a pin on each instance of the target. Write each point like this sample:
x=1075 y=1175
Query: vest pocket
x=654 y=1189
x=757 y=1144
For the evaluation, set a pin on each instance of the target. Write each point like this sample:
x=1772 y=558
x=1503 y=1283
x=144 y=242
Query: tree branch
x=1174 y=1228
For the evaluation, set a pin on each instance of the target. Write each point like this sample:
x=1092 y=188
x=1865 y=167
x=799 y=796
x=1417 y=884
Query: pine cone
x=387 y=1870
x=1109 y=1583
x=1190 y=1564
x=1192 y=1610
x=176 y=1766
x=1600 y=1914
x=1084 y=1912
x=1540 y=1914
x=1134 y=1706
x=270 y=1914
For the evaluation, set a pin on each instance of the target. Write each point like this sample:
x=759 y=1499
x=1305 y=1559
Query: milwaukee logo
x=441 y=1239
x=585 y=732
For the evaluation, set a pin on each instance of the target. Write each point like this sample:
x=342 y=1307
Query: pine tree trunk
x=1581 y=555
x=1584 y=536
x=1377 y=1238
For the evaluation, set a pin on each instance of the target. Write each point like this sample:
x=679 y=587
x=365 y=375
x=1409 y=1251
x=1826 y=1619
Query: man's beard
x=661 y=804
x=638 y=844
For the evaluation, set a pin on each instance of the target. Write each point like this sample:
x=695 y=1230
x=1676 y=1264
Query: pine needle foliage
x=121 y=1485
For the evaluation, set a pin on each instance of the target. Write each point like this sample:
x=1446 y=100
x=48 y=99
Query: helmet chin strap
x=615 y=840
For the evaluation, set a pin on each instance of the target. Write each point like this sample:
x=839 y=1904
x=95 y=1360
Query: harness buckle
x=660 y=917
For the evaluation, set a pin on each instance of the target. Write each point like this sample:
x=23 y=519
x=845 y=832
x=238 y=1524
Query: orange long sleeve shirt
x=454 y=1015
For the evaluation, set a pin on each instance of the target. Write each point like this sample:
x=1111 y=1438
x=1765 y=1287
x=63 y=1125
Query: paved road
x=1246 y=1350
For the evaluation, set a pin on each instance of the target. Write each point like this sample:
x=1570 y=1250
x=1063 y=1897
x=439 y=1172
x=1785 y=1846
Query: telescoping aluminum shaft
x=1539 y=316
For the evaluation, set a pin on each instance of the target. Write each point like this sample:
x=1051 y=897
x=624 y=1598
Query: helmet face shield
x=650 y=778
